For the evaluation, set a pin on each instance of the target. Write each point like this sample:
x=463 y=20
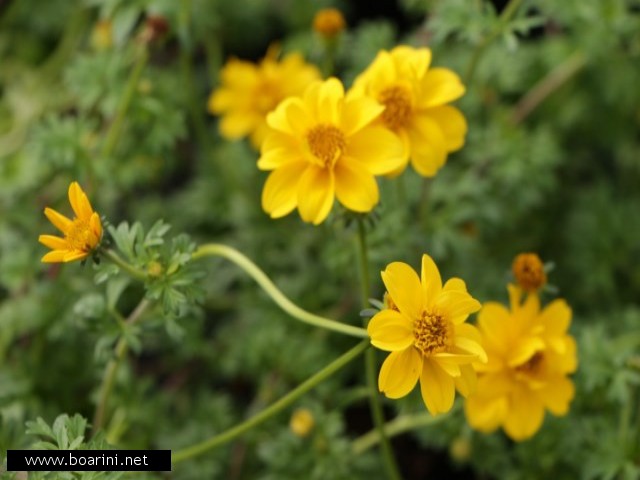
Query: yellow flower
x=249 y=91
x=102 y=35
x=530 y=355
x=416 y=98
x=528 y=271
x=323 y=145
x=427 y=336
x=328 y=22
x=301 y=422
x=81 y=235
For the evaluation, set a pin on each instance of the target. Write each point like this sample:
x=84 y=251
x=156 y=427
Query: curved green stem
x=112 y=367
x=508 y=12
x=272 y=410
x=218 y=250
x=397 y=426
x=123 y=265
x=370 y=363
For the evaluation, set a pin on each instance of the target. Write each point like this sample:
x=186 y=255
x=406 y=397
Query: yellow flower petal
x=390 y=330
x=430 y=280
x=525 y=415
x=330 y=97
x=448 y=364
x=54 y=256
x=74 y=255
x=557 y=395
x=468 y=331
x=56 y=243
x=280 y=193
x=290 y=117
x=455 y=284
x=404 y=287
x=356 y=189
x=79 y=202
x=279 y=149
x=485 y=413
x=457 y=305
x=377 y=148
x=416 y=60
x=466 y=383
x=61 y=222
x=453 y=125
x=428 y=149
x=316 y=193
x=440 y=86
x=524 y=350
x=472 y=347
x=359 y=111
x=400 y=372
x=96 y=229
x=236 y=125
x=437 y=388
x=556 y=317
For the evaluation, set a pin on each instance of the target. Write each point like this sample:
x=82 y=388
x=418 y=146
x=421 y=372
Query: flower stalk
x=370 y=362
x=233 y=255
x=272 y=410
x=112 y=367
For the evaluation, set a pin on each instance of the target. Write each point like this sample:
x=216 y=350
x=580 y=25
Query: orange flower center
x=432 y=333
x=326 y=143
x=80 y=237
x=397 y=102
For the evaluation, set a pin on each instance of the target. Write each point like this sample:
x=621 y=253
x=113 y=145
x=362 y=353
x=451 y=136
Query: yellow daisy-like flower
x=416 y=98
x=81 y=235
x=427 y=336
x=323 y=145
x=530 y=355
x=249 y=92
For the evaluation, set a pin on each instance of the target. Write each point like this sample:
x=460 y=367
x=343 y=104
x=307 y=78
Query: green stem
x=231 y=254
x=196 y=110
x=272 y=410
x=548 y=85
x=508 y=12
x=112 y=367
x=113 y=134
x=395 y=427
x=370 y=363
x=123 y=265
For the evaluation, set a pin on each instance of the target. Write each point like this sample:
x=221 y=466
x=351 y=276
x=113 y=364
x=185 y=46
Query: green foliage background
x=560 y=179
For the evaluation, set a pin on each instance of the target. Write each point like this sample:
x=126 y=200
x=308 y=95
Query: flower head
x=416 y=98
x=323 y=145
x=329 y=22
x=427 y=336
x=528 y=271
x=530 y=355
x=249 y=91
x=82 y=235
x=301 y=422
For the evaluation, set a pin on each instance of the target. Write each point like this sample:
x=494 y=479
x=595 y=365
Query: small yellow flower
x=301 y=422
x=528 y=271
x=427 y=336
x=416 y=98
x=323 y=145
x=102 y=35
x=82 y=235
x=329 y=22
x=249 y=91
x=530 y=355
